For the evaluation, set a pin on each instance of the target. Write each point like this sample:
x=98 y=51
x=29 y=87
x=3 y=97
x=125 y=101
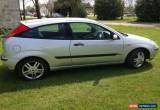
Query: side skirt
x=85 y=65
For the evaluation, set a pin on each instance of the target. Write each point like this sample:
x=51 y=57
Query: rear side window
x=53 y=31
x=32 y=33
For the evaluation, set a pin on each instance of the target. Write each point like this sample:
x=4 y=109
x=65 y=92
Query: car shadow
x=9 y=82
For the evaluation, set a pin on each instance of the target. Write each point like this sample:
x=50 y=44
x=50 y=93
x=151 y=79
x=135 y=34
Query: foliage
x=62 y=7
x=148 y=10
x=92 y=17
x=108 y=9
x=81 y=12
x=72 y=7
x=3 y=31
x=30 y=9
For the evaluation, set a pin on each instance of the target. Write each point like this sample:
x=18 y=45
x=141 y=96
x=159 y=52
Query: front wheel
x=32 y=69
x=136 y=59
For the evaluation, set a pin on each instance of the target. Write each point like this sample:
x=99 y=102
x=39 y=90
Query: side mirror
x=115 y=37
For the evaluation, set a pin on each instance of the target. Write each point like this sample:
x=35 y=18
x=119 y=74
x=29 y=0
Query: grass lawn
x=125 y=19
x=30 y=17
x=92 y=88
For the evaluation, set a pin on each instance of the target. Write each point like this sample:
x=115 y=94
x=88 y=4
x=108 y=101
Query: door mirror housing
x=115 y=37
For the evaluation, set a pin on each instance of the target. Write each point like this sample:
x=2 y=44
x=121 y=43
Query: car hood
x=137 y=39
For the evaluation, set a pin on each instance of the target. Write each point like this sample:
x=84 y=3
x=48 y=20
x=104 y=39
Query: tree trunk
x=24 y=10
x=37 y=9
x=121 y=17
x=20 y=14
x=70 y=12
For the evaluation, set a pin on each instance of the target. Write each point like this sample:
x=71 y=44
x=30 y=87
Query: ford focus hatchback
x=37 y=46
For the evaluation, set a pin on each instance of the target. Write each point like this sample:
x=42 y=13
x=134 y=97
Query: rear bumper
x=3 y=58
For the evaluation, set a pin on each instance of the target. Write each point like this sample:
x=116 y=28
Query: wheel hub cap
x=33 y=70
x=139 y=60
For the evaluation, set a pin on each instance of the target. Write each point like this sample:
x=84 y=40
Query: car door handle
x=79 y=44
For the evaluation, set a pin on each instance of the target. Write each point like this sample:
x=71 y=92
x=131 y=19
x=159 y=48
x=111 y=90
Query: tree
x=109 y=9
x=23 y=13
x=36 y=4
x=50 y=6
x=62 y=7
x=122 y=9
x=20 y=10
x=130 y=9
x=24 y=10
x=73 y=8
x=81 y=11
x=30 y=9
x=148 y=10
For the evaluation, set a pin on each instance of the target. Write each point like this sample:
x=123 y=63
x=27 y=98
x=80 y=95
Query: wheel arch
x=145 y=50
x=29 y=57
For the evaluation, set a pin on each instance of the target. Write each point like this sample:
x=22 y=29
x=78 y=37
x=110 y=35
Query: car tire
x=32 y=69
x=136 y=58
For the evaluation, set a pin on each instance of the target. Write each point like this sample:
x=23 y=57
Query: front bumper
x=154 y=52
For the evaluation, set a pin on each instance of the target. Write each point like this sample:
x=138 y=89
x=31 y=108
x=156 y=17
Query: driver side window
x=101 y=33
x=86 y=31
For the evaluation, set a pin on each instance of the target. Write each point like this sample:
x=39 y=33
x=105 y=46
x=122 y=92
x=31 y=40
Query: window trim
x=67 y=37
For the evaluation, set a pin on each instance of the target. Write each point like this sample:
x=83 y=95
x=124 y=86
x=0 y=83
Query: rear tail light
x=19 y=29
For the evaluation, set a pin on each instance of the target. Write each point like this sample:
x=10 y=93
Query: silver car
x=37 y=46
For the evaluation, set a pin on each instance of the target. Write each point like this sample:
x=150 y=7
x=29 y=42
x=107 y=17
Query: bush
x=4 y=31
x=72 y=7
x=108 y=9
x=148 y=10
x=81 y=12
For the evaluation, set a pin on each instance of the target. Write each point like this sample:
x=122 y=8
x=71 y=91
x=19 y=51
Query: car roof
x=46 y=21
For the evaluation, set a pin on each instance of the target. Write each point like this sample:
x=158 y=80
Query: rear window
x=32 y=33
x=54 y=31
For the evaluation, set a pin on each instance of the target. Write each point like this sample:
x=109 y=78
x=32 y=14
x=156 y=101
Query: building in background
x=9 y=13
x=91 y=2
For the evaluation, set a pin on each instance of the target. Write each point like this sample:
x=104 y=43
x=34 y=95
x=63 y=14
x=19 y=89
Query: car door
x=93 y=44
x=51 y=40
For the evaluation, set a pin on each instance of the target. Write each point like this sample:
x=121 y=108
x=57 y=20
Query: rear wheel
x=32 y=69
x=136 y=59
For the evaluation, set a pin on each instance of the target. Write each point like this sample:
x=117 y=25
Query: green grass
x=92 y=88
x=92 y=17
x=125 y=19
x=30 y=17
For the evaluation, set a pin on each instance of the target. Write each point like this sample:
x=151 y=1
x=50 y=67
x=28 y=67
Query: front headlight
x=156 y=46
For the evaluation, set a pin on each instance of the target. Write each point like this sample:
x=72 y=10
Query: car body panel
x=63 y=53
x=96 y=51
